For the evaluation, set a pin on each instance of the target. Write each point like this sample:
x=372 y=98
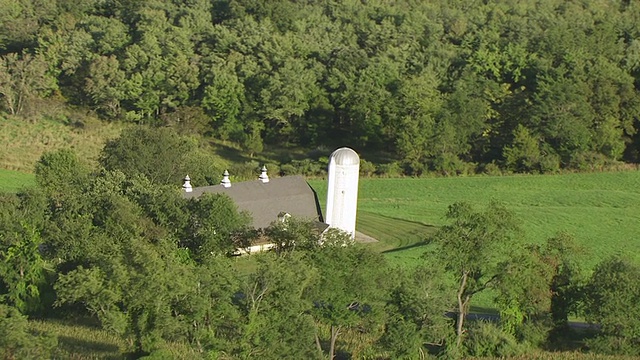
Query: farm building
x=268 y=200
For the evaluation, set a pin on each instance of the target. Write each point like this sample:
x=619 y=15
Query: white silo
x=342 y=191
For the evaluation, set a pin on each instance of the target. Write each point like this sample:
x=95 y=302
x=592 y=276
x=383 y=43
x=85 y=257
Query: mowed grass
x=12 y=181
x=601 y=210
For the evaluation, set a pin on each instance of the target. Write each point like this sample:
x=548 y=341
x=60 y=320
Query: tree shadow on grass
x=407 y=247
x=94 y=349
x=230 y=153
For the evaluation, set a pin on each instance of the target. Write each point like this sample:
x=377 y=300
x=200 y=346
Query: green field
x=601 y=210
x=12 y=181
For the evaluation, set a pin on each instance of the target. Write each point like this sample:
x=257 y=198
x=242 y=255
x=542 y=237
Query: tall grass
x=24 y=142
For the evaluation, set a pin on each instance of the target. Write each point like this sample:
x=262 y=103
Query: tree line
x=117 y=245
x=445 y=86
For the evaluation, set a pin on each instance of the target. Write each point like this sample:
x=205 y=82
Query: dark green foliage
x=277 y=319
x=160 y=154
x=437 y=86
x=538 y=289
x=524 y=153
x=292 y=234
x=17 y=341
x=488 y=340
x=612 y=301
x=59 y=173
x=215 y=226
x=416 y=313
x=470 y=249
x=23 y=78
x=351 y=285
x=23 y=271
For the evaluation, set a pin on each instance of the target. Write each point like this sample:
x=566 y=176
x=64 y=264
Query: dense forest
x=444 y=86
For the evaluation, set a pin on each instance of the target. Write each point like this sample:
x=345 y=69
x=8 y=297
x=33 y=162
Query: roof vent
x=263 y=175
x=225 y=179
x=187 y=184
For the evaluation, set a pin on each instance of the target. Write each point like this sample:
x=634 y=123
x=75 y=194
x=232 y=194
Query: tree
x=278 y=323
x=23 y=269
x=293 y=234
x=347 y=294
x=20 y=22
x=415 y=312
x=612 y=301
x=252 y=141
x=136 y=292
x=23 y=78
x=59 y=173
x=559 y=253
x=106 y=85
x=223 y=99
x=421 y=102
x=157 y=153
x=17 y=342
x=523 y=154
x=470 y=248
x=215 y=227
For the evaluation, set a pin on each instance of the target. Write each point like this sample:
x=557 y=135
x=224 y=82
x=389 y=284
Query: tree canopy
x=439 y=85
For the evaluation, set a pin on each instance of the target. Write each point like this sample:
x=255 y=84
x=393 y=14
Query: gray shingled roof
x=264 y=201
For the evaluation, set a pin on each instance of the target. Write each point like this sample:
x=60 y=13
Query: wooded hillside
x=443 y=86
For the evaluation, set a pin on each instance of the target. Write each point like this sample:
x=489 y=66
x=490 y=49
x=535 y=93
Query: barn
x=271 y=199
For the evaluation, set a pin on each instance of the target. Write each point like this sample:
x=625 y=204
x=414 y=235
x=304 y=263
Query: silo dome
x=345 y=156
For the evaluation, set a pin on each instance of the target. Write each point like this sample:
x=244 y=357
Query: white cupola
x=187 y=184
x=263 y=175
x=225 y=179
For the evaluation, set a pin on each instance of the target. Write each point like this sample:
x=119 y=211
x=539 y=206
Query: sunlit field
x=12 y=181
x=601 y=210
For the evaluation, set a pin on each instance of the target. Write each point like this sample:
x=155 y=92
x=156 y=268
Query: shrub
x=612 y=300
x=549 y=163
x=492 y=169
x=614 y=345
x=414 y=168
x=487 y=339
x=17 y=342
x=392 y=169
x=589 y=161
x=306 y=167
x=367 y=168
x=288 y=169
x=450 y=164
x=203 y=168
x=249 y=170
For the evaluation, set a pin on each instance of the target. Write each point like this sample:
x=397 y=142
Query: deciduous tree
x=470 y=248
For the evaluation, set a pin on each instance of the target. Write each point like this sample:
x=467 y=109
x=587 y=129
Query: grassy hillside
x=602 y=210
x=23 y=142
